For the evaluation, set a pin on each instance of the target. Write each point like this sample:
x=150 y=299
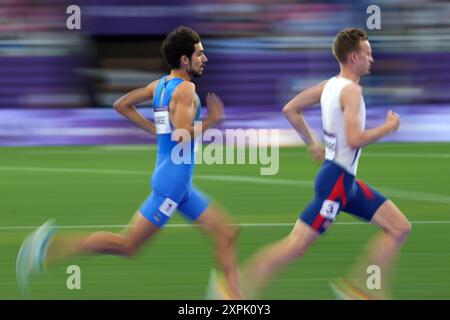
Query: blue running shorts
x=159 y=207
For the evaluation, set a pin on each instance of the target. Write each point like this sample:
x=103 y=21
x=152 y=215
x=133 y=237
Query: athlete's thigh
x=320 y=213
x=302 y=235
x=194 y=204
x=389 y=217
x=158 y=208
x=332 y=189
x=140 y=229
x=364 y=202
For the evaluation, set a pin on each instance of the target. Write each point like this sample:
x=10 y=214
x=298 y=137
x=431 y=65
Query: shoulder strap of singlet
x=164 y=91
x=158 y=91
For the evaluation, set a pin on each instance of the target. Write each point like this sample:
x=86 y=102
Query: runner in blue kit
x=172 y=186
x=176 y=107
x=336 y=187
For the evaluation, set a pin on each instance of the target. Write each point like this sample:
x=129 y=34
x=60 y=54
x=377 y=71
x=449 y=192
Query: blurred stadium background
x=58 y=86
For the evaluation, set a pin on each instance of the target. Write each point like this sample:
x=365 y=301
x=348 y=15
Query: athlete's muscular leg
x=382 y=250
x=224 y=233
x=270 y=259
x=125 y=244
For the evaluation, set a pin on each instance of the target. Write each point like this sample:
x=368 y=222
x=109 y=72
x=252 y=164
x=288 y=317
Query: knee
x=228 y=234
x=406 y=228
x=402 y=230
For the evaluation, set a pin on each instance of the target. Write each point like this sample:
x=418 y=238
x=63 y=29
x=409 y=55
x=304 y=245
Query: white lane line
x=407 y=155
x=257 y=180
x=73 y=170
x=71 y=181
x=186 y=225
x=383 y=155
x=397 y=193
x=415 y=195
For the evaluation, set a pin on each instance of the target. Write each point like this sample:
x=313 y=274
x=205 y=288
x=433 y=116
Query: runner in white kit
x=336 y=187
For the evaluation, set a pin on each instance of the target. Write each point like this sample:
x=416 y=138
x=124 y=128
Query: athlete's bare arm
x=125 y=105
x=356 y=137
x=182 y=109
x=293 y=111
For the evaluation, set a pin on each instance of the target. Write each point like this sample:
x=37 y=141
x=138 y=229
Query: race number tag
x=329 y=209
x=330 y=145
x=162 y=122
x=168 y=207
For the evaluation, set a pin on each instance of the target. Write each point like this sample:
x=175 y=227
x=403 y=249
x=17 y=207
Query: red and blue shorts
x=337 y=190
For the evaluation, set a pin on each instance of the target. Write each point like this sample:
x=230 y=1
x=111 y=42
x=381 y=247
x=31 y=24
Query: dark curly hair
x=347 y=41
x=178 y=43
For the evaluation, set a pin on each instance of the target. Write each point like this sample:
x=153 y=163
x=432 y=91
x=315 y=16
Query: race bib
x=330 y=145
x=168 y=207
x=329 y=209
x=162 y=121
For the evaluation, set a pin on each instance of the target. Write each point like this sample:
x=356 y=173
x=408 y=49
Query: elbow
x=118 y=106
x=287 y=111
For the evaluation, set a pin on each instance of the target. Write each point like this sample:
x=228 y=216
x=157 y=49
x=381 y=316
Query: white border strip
x=186 y=225
x=396 y=193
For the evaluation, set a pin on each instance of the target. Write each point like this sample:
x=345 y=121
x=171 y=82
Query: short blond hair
x=346 y=41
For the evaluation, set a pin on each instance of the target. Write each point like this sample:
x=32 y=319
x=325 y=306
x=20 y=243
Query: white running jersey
x=336 y=147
